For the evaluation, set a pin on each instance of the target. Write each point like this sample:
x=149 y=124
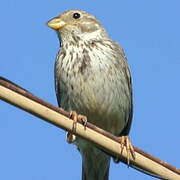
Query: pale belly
x=100 y=100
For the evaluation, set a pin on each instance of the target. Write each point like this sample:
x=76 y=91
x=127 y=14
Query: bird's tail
x=95 y=164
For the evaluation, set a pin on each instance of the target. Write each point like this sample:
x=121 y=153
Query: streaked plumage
x=92 y=78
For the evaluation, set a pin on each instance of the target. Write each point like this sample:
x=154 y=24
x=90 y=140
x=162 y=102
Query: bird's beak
x=56 y=23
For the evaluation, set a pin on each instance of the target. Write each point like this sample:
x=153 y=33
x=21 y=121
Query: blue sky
x=32 y=149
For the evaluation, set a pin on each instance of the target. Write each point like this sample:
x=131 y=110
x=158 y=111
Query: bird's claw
x=70 y=137
x=127 y=145
x=75 y=117
x=83 y=120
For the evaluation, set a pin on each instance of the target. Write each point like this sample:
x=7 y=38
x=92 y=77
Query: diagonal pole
x=21 y=98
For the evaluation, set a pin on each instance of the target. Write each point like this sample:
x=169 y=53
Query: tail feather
x=95 y=176
x=95 y=165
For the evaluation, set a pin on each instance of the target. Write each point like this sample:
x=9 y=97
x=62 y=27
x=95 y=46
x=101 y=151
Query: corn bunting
x=92 y=78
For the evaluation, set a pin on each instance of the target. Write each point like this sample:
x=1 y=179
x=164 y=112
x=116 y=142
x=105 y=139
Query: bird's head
x=74 y=25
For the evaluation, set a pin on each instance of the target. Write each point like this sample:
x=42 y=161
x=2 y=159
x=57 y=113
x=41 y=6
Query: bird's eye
x=76 y=15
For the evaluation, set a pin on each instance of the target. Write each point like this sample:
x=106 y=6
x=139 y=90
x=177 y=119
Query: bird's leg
x=127 y=145
x=70 y=137
x=75 y=117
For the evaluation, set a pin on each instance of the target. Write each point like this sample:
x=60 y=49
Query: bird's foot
x=75 y=117
x=127 y=145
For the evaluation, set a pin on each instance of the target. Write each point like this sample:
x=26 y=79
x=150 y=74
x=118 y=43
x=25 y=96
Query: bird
x=92 y=78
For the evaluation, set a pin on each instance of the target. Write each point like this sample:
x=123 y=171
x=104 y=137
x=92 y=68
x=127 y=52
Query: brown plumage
x=92 y=78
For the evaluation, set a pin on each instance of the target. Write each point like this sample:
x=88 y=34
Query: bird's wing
x=129 y=122
x=56 y=83
x=127 y=75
